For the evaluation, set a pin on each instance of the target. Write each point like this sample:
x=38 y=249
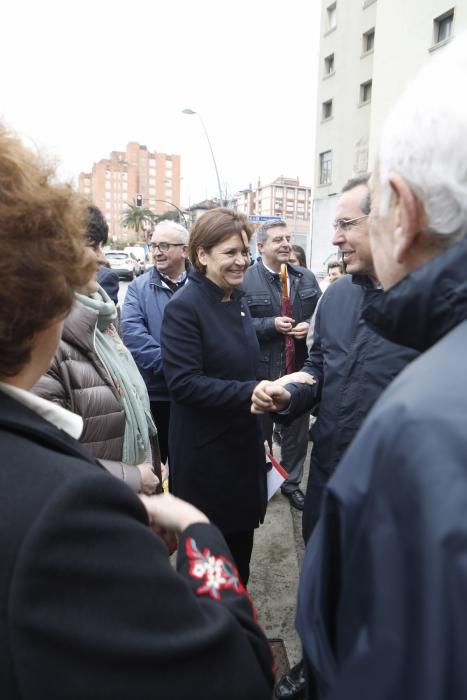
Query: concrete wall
x=404 y=41
x=403 y=45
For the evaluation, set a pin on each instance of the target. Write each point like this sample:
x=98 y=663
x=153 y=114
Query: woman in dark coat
x=210 y=355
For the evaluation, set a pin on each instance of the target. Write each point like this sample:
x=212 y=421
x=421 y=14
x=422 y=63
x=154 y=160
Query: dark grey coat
x=263 y=296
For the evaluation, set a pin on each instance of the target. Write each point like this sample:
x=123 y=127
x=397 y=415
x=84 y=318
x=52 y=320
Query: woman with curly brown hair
x=210 y=355
x=91 y=606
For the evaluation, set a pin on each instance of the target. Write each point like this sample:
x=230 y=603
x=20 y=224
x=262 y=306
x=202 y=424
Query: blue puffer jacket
x=142 y=312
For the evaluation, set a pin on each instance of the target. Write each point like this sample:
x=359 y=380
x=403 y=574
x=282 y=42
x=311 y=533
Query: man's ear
x=407 y=218
x=260 y=247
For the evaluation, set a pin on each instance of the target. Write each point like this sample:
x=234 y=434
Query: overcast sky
x=80 y=79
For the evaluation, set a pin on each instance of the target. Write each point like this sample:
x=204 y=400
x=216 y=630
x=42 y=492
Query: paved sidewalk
x=275 y=565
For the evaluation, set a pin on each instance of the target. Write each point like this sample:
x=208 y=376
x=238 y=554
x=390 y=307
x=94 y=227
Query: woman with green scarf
x=95 y=376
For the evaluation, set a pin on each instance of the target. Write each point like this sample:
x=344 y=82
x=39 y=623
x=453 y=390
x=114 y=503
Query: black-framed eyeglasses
x=346 y=224
x=163 y=246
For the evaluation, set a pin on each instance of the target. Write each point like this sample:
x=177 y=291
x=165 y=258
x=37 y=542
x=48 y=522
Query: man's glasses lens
x=346 y=224
x=164 y=247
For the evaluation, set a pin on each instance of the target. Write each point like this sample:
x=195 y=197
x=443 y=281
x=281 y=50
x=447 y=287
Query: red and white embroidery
x=216 y=572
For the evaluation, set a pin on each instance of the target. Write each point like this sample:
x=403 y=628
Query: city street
x=122 y=291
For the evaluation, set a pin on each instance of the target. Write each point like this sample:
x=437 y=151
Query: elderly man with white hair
x=143 y=309
x=383 y=595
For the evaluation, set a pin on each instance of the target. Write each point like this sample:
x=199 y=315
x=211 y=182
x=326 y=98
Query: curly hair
x=42 y=239
x=212 y=228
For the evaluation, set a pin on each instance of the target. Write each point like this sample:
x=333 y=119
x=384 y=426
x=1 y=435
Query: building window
x=290 y=193
x=325 y=168
x=365 y=92
x=368 y=41
x=327 y=110
x=329 y=64
x=331 y=13
x=443 y=26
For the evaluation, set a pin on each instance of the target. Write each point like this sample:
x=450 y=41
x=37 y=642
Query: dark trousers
x=317 y=480
x=241 y=547
x=160 y=411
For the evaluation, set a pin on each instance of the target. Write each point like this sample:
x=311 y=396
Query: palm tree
x=136 y=217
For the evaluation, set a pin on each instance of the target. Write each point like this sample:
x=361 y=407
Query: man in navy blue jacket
x=350 y=363
x=143 y=309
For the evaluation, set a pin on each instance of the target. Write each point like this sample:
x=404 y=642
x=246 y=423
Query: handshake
x=271 y=397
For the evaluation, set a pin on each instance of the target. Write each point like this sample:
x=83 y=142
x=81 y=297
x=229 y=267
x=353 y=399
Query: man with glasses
x=143 y=309
x=350 y=363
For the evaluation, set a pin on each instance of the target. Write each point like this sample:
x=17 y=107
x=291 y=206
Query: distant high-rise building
x=285 y=198
x=117 y=180
x=369 y=50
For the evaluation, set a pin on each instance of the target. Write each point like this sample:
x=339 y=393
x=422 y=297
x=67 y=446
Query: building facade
x=284 y=198
x=116 y=181
x=369 y=50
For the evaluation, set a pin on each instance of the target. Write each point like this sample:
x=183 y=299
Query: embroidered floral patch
x=216 y=572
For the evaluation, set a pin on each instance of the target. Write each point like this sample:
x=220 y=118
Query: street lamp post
x=166 y=201
x=191 y=111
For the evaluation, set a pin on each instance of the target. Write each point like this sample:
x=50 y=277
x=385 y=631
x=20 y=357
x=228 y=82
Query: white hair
x=167 y=225
x=424 y=139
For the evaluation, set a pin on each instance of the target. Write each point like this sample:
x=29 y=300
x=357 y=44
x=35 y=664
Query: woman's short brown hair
x=42 y=238
x=214 y=227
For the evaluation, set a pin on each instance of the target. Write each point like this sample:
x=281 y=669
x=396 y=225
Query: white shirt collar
x=60 y=417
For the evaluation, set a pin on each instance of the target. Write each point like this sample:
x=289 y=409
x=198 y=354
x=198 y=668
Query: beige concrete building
x=284 y=198
x=117 y=180
x=369 y=49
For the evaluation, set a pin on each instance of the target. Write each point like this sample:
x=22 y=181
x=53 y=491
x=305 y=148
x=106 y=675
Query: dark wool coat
x=91 y=606
x=352 y=364
x=210 y=355
x=383 y=595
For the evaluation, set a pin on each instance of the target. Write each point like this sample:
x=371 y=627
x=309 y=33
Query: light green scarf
x=119 y=363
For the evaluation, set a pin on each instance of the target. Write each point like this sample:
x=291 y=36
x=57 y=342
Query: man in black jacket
x=383 y=595
x=350 y=363
x=263 y=289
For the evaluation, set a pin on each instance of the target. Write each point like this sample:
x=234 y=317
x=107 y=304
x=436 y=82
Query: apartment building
x=117 y=180
x=284 y=198
x=369 y=50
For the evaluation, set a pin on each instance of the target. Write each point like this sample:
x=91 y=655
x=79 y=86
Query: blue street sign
x=256 y=218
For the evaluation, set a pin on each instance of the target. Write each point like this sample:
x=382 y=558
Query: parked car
x=124 y=263
x=140 y=255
